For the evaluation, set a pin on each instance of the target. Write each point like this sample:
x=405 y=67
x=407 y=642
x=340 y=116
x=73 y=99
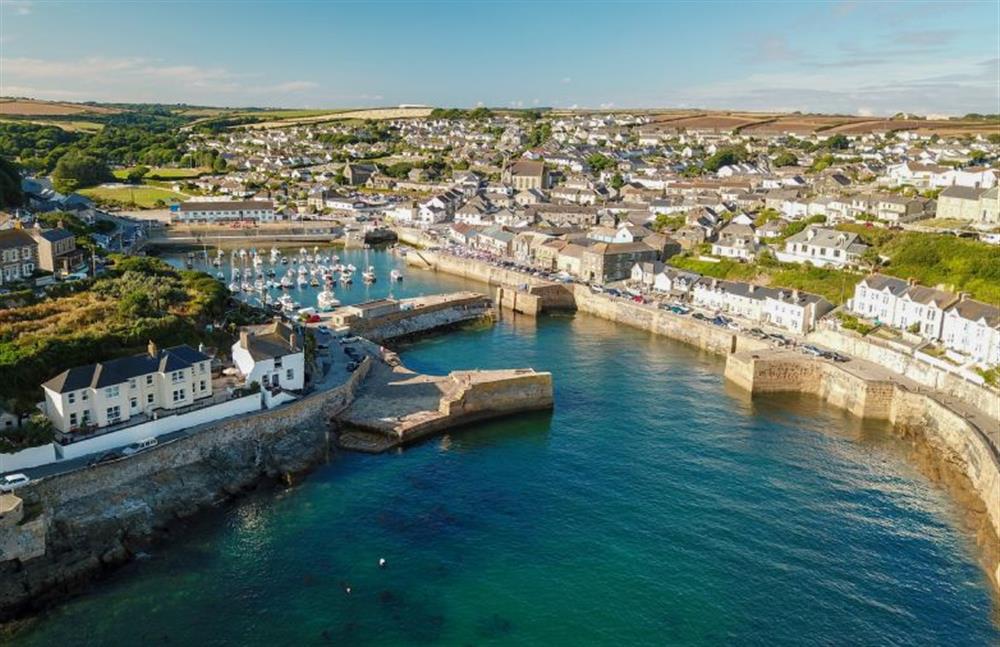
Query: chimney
x=151 y=348
x=292 y=338
x=244 y=339
x=911 y=281
x=795 y=295
x=752 y=288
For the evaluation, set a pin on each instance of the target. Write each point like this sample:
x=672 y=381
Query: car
x=758 y=333
x=142 y=445
x=837 y=357
x=699 y=316
x=639 y=298
x=781 y=340
x=11 y=482
x=614 y=292
x=809 y=349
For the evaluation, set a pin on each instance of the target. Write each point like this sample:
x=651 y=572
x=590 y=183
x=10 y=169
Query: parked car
x=781 y=340
x=837 y=357
x=809 y=349
x=11 y=482
x=699 y=316
x=614 y=292
x=142 y=445
x=639 y=298
x=758 y=333
x=679 y=309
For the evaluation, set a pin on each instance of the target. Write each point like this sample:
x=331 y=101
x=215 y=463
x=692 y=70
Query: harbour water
x=654 y=506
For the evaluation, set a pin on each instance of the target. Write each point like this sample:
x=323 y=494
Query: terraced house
x=18 y=255
x=128 y=388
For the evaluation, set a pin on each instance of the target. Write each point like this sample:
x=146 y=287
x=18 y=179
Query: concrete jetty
x=396 y=406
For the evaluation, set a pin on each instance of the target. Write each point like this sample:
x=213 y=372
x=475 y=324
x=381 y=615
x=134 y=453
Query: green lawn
x=834 y=285
x=143 y=197
x=165 y=173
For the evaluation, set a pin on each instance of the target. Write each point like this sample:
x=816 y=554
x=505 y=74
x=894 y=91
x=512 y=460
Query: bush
x=850 y=322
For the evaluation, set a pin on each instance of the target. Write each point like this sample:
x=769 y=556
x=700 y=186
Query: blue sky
x=848 y=57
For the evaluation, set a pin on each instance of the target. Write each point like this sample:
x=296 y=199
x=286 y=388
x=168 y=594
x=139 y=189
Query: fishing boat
x=369 y=275
x=314 y=282
x=286 y=281
x=395 y=275
x=347 y=276
x=303 y=281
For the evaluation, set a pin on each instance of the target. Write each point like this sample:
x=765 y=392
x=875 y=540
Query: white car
x=135 y=448
x=11 y=482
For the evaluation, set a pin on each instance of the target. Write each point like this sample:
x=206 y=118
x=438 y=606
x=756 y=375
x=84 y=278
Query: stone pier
x=397 y=406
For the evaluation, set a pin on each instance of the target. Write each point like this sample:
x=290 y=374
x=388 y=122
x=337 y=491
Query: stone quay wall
x=425 y=318
x=955 y=441
x=94 y=519
x=980 y=397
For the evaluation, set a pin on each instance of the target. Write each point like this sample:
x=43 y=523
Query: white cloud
x=566 y=80
x=141 y=79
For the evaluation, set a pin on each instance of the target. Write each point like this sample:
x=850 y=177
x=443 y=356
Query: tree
x=838 y=142
x=725 y=157
x=78 y=170
x=599 y=162
x=977 y=157
x=135 y=175
x=786 y=158
x=10 y=184
x=219 y=164
x=617 y=181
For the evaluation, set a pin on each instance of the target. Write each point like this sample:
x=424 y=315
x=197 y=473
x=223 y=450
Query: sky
x=866 y=58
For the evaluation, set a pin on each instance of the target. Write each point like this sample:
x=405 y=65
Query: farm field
x=32 y=108
x=332 y=115
x=69 y=125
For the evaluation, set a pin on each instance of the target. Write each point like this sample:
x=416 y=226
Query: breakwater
x=420 y=315
x=397 y=406
x=95 y=519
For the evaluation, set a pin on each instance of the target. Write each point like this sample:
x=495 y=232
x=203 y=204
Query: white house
x=973 y=328
x=789 y=310
x=272 y=356
x=118 y=390
x=736 y=241
x=214 y=211
x=823 y=248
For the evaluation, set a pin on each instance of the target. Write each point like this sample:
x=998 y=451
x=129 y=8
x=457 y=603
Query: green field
x=143 y=197
x=164 y=173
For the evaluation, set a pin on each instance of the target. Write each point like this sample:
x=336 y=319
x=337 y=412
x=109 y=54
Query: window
x=149 y=380
x=177 y=376
x=134 y=403
x=85 y=396
x=202 y=385
x=71 y=398
x=114 y=413
x=178 y=395
x=201 y=367
x=289 y=374
x=86 y=417
x=72 y=419
x=111 y=392
x=149 y=398
x=132 y=384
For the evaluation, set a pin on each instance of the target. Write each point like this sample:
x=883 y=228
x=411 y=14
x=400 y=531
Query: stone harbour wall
x=980 y=397
x=424 y=319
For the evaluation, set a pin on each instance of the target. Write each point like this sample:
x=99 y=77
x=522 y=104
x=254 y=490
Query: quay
x=396 y=406
x=392 y=319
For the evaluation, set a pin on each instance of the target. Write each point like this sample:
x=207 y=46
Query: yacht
x=395 y=275
x=326 y=301
x=369 y=274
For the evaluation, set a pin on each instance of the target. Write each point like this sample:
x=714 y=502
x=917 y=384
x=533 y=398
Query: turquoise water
x=654 y=506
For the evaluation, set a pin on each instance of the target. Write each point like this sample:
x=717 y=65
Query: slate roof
x=122 y=369
x=276 y=340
